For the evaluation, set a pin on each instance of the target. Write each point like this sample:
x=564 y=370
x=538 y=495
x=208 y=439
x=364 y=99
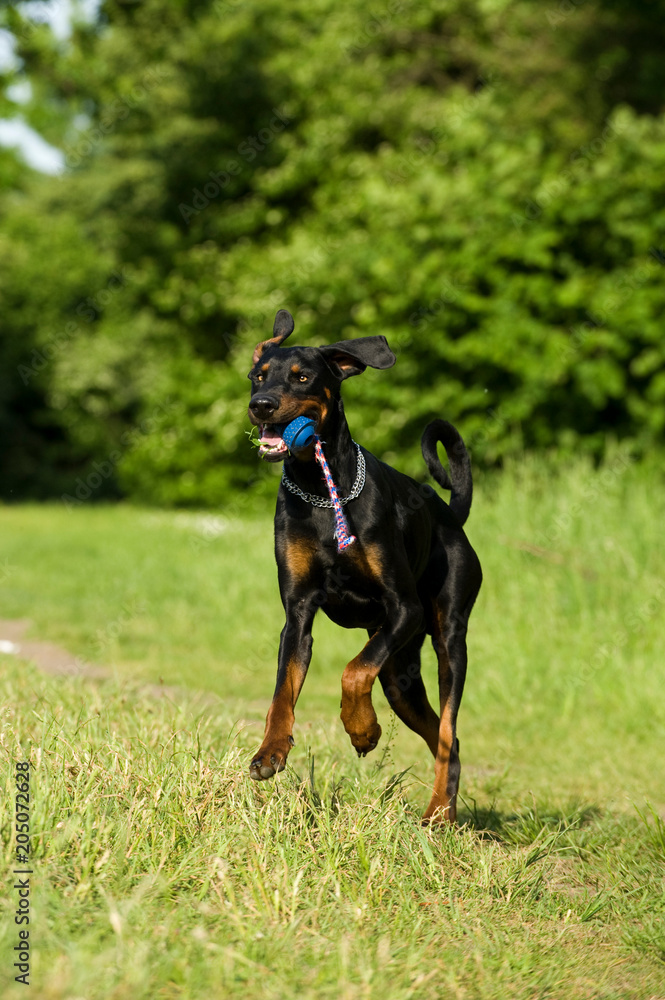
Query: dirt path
x=47 y=656
x=59 y=662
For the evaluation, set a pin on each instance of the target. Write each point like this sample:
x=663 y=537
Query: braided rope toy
x=342 y=533
x=299 y=434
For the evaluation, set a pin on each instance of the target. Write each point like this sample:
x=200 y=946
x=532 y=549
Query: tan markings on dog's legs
x=443 y=804
x=358 y=715
x=278 y=738
x=281 y=714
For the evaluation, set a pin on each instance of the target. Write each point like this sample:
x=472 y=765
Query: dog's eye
x=303 y=378
x=260 y=378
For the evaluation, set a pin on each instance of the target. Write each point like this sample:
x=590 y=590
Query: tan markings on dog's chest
x=368 y=559
x=298 y=556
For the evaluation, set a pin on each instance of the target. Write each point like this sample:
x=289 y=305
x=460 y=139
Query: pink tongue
x=270 y=436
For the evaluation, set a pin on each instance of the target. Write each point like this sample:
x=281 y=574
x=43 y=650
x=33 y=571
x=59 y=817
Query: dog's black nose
x=263 y=406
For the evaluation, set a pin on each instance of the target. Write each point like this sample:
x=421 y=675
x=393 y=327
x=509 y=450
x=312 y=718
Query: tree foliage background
x=481 y=181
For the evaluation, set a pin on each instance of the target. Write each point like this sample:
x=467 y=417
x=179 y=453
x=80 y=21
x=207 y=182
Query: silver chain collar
x=321 y=501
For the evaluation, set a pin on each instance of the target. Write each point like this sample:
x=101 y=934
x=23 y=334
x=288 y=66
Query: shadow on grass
x=524 y=826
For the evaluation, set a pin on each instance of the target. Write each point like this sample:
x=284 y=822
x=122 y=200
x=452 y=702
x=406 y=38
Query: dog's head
x=290 y=382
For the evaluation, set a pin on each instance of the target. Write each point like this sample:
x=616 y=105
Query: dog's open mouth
x=271 y=446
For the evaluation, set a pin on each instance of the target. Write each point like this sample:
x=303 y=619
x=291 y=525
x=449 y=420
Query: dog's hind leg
x=449 y=641
x=403 y=687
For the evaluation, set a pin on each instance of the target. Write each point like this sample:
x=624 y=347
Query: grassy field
x=160 y=870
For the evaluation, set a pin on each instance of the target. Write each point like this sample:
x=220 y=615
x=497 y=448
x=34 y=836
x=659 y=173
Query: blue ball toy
x=299 y=434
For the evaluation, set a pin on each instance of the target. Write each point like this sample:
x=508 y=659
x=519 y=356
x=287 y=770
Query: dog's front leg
x=295 y=652
x=404 y=619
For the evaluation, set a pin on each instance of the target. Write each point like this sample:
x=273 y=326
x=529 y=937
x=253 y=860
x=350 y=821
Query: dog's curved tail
x=461 y=485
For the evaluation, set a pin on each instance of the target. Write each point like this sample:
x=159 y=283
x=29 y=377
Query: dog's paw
x=364 y=743
x=440 y=817
x=441 y=810
x=361 y=723
x=263 y=767
x=269 y=760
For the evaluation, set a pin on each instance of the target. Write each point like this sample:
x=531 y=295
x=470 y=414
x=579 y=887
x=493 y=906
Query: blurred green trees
x=480 y=181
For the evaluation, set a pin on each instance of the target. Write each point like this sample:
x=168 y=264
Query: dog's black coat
x=411 y=571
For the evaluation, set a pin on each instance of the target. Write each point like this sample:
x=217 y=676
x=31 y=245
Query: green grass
x=162 y=871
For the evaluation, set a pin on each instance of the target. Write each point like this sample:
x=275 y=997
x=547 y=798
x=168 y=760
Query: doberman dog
x=410 y=573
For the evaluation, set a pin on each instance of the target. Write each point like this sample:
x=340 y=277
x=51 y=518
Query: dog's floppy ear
x=282 y=328
x=352 y=357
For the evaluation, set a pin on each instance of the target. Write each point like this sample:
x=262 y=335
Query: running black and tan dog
x=410 y=573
